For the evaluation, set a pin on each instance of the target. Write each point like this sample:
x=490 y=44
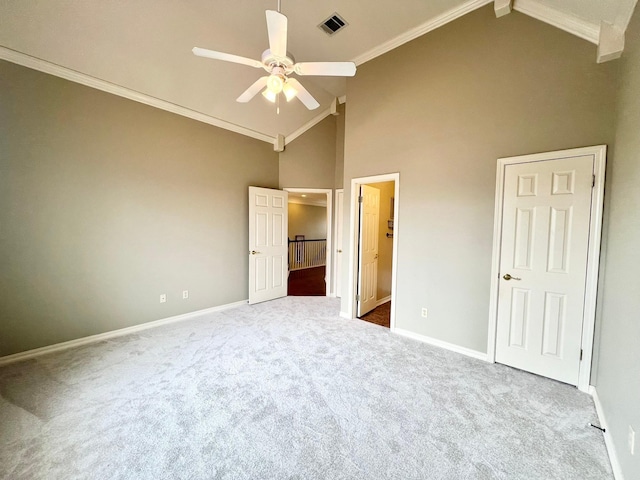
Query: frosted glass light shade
x=289 y=91
x=275 y=83
x=269 y=95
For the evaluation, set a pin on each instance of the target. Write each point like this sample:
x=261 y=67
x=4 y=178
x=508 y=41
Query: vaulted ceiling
x=141 y=49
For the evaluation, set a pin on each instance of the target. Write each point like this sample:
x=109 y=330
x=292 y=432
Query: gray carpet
x=287 y=390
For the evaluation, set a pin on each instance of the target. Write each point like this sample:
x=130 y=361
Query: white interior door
x=268 y=245
x=543 y=266
x=368 y=251
x=338 y=230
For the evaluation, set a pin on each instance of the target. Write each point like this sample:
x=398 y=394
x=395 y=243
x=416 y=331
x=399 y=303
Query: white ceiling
x=308 y=198
x=142 y=49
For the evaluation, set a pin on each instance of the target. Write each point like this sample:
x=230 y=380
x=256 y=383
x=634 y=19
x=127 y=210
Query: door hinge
x=581 y=354
x=593 y=183
x=357 y=298
x=360 y=199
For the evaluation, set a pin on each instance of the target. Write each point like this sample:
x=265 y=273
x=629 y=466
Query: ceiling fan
x=280 y=65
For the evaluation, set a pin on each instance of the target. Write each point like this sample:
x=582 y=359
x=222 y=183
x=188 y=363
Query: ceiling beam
x=564 y=21
x=610 y=43
x=502 y=7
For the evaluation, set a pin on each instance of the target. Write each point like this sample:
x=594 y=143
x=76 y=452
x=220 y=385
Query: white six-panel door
x=268 y=244
x=543 y=265
x=368 y=255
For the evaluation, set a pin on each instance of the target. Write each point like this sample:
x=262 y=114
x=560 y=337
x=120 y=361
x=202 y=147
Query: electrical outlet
x=163 y=298
x=185 y=294
x=632 y=441
x=424 y=313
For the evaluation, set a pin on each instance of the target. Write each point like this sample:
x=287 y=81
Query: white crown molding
x=440 y=20
x=608 y=440
x=314 y=121
x=564 y=21
x=93 y=82
x=18 y=357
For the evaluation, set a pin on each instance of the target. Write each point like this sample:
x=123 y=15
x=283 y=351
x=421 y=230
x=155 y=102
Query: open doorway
x=373 y=252
x=309 y=233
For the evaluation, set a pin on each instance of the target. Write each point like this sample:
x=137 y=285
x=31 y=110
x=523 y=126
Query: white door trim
x=337 y=218
x=329 y=266
x=593 y=258
x=353 y=241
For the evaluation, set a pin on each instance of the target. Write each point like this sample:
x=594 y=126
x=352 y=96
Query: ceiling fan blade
x=253 y=90
x=277 y=28
x=227 y=57
x=327 y=69
x=303 y=95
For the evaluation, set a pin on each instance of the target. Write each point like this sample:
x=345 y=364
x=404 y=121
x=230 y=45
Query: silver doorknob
x=253 y=252
x=509 y=277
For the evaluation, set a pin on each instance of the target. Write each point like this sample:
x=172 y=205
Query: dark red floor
x=307 y=282
x=380 y=315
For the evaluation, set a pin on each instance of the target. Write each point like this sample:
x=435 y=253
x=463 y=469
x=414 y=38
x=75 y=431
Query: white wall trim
x=502 y=7
x=93 y=82
x=346 y=315
x=328 y=261
x=338 y=192
x=29 y=354
x=440 y=20
x=442 y=344
x=608 y=441
x=353 y=241
x=593 y=257
x=384 y=300
x=564 y=21
x=311 y=123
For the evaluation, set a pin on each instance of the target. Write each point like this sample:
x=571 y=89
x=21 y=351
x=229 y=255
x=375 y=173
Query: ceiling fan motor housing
x=271 y=61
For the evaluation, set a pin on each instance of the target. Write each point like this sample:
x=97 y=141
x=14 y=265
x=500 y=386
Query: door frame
x=328 y=273
x=354 y=219
x=599 y=153
x=337 y=218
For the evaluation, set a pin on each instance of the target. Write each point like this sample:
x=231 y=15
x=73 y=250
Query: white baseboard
x=439 y=343
x=17 y=357
x=384 y=300
x=345 y=315
x=608 y=441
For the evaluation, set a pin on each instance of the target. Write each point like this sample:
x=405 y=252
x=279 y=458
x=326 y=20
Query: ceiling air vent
x=333 y=24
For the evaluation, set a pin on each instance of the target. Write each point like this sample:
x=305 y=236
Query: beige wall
x=340 y=124
x=310 y=160
x=385 y=244
x=618 y=367
x=440 y=110
x=107 y=203
x=307 y=220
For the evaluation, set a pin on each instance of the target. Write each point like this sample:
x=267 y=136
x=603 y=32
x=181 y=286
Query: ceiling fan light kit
x=280 y=64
